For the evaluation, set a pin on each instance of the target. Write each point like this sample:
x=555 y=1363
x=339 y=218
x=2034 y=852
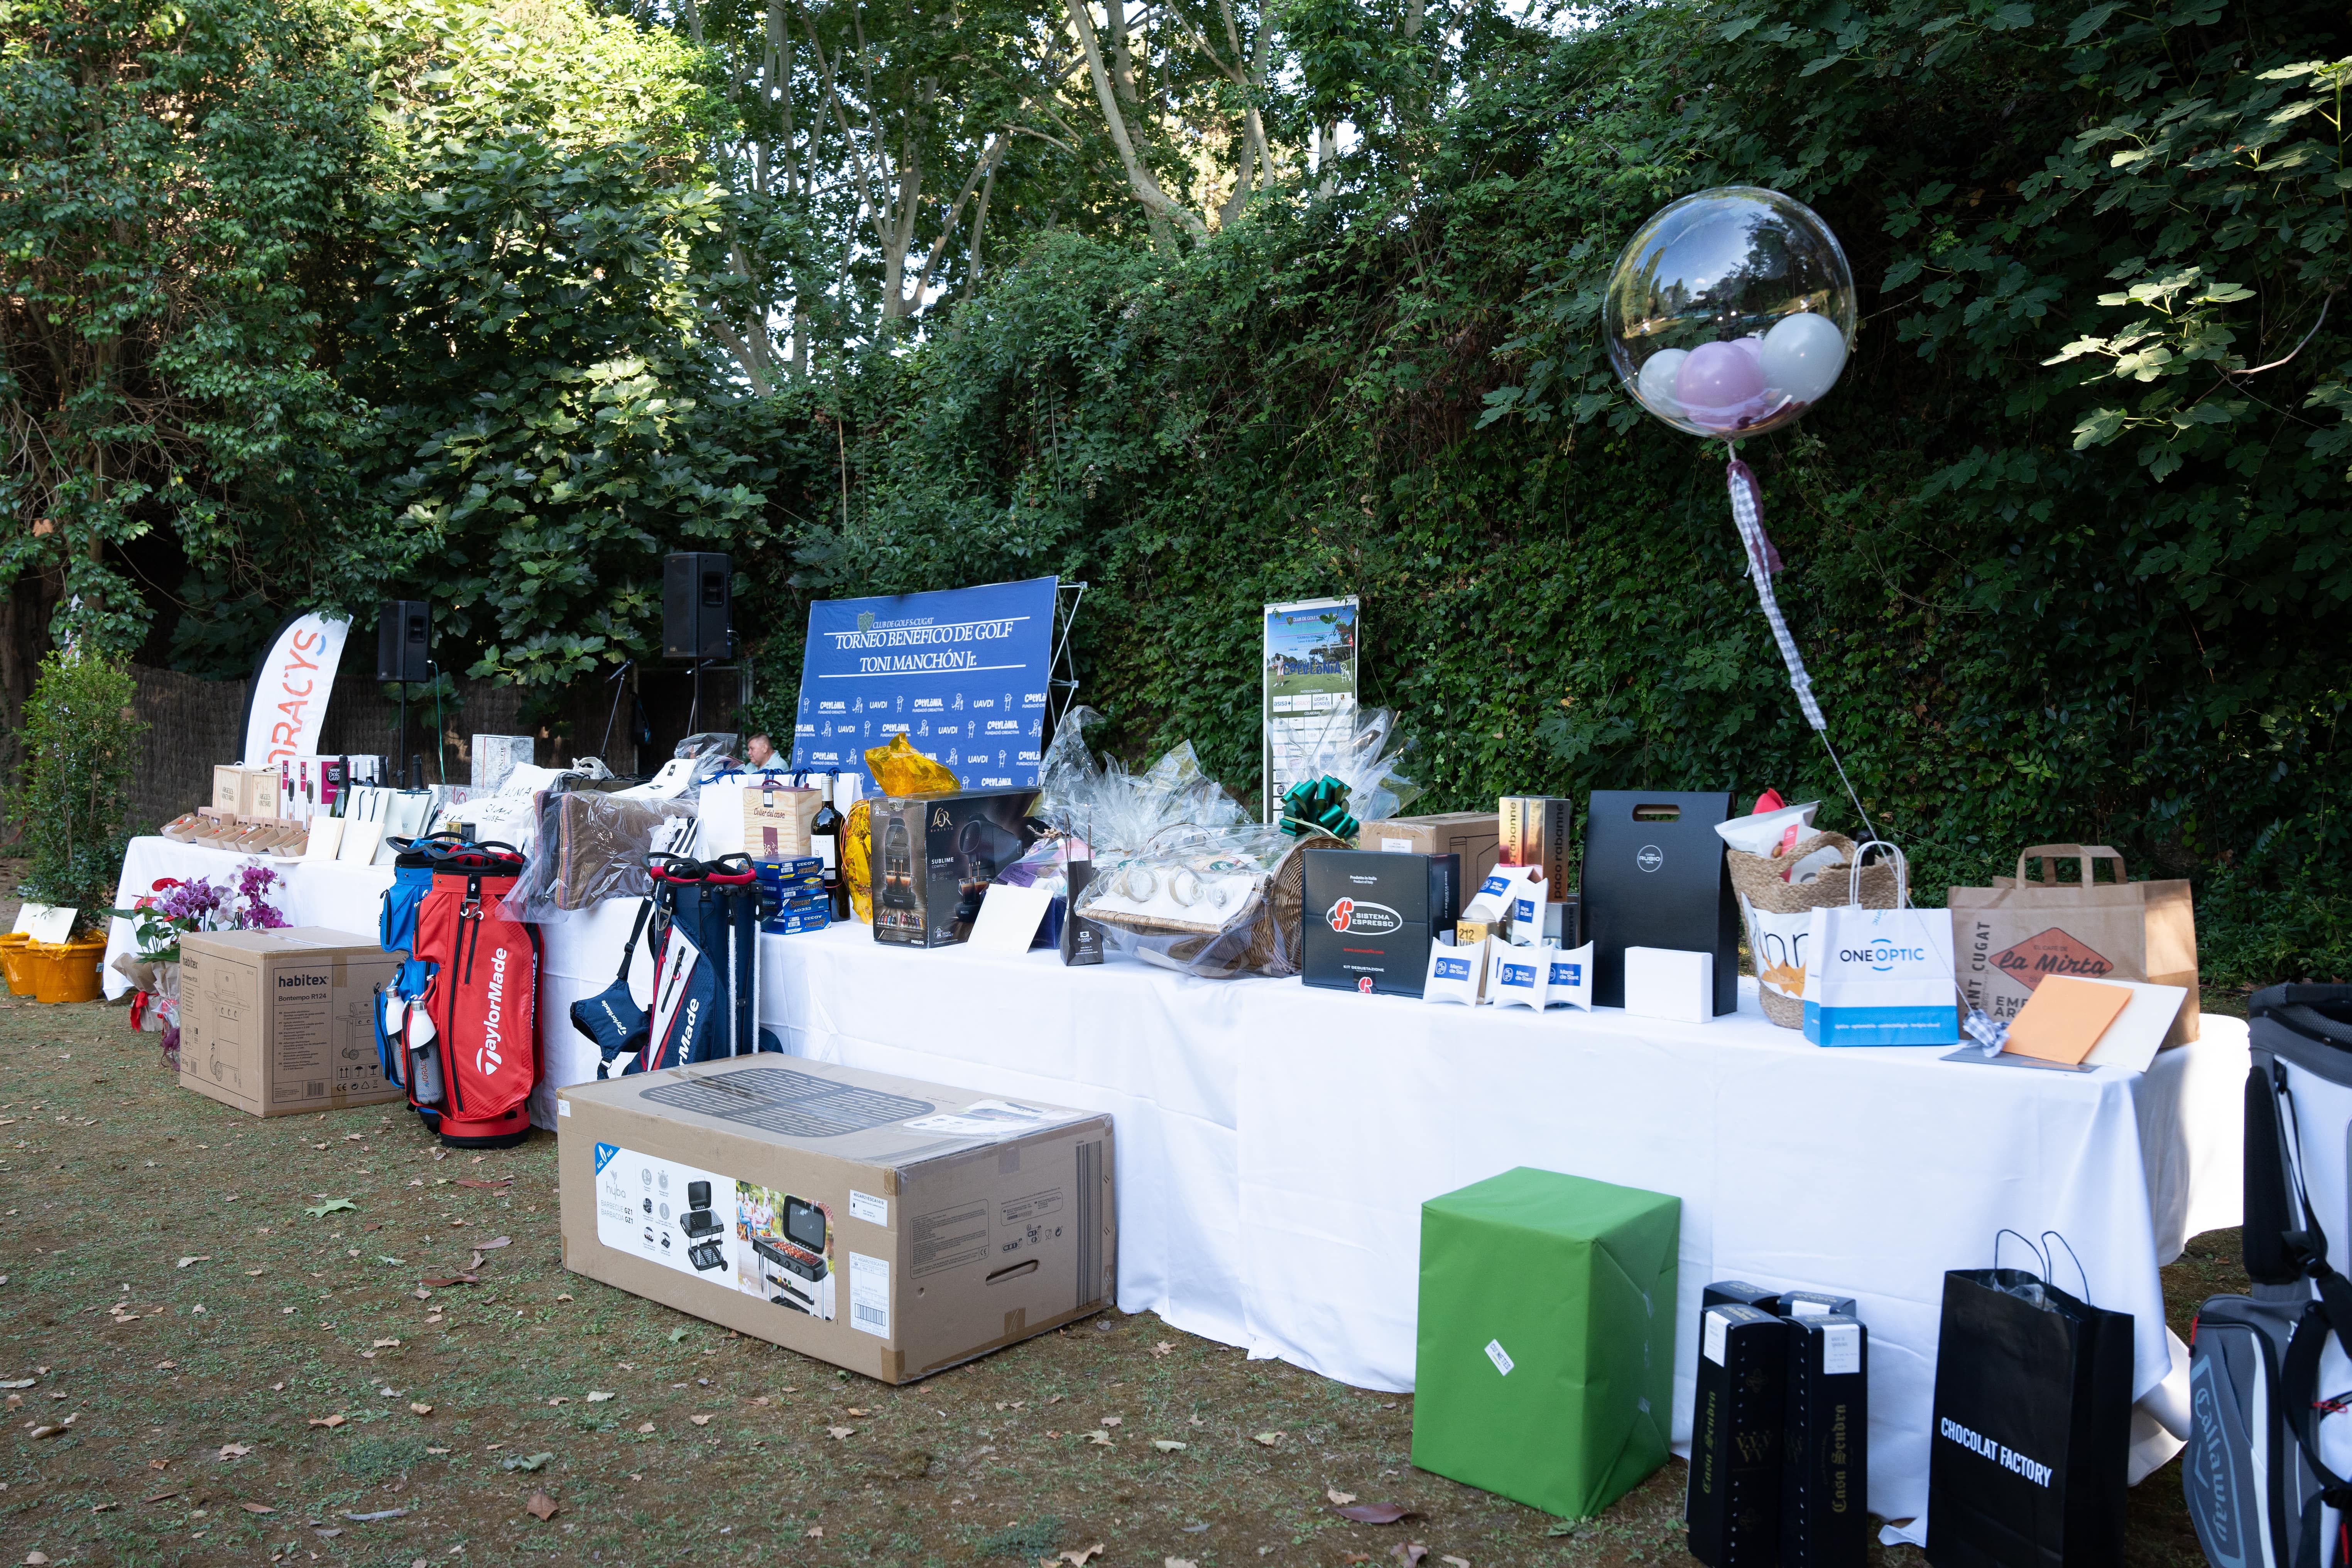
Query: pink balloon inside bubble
x=1720 y=384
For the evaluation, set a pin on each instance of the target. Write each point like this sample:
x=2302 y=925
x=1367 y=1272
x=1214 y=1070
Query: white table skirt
x=1275 y=1143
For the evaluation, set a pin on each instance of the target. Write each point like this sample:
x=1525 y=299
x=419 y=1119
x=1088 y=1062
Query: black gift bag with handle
x=2032 y=1430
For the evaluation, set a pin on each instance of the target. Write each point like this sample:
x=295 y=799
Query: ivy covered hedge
x=2069 y=547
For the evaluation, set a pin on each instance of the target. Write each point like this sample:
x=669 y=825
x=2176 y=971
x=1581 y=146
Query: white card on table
x=1009 y=917
x=2139 y=1031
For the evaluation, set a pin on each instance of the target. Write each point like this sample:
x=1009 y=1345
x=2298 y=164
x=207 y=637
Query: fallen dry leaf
x=35 y=1559
x=1338 y=1496
x=1077 y=1559
x=452 y=1279
x=330 y=1421
x=598 y=1395
x=559 y=1399
x=1100 y=1438
x=159 y=1496
x=854 y=1410
x=1410 y=1553
x=1167 y=1445
x=236 y=1450
x=41 y=1432
x=1178 y=1562
x=1113 y=1420
x=420 y=1409
x=841 y=1431
x=197 y=1257
x=541 y=1506
x=1355 y=1557
x=814 y=1533
x=1164 y=1348
x=644 y=1426
x=699 y=1420
x=1377 y=1512
x=386 y=1344
x=1269 y=1438
x=257 y=1507
x=1457 y=1562
x=493 y=1244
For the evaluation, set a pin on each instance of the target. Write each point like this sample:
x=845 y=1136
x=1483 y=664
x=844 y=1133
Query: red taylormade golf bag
x=466 y=1029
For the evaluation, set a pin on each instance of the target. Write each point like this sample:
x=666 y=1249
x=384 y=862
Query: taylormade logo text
x=486 y=1061
x=2008 y=1459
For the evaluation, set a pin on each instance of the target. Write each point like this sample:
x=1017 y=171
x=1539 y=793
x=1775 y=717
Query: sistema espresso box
x=883 y=1224
x=1370 y=916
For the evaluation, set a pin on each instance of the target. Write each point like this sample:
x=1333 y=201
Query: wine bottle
x=825 y=833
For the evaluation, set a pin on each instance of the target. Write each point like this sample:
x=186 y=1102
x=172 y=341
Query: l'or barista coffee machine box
x=935 y=854
x=1370 y=916
x=886 y=1226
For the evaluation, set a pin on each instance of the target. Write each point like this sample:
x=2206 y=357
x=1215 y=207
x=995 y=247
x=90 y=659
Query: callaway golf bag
x=458 y=1027
x=706 y=946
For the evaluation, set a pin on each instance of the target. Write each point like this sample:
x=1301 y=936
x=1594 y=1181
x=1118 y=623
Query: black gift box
x=1824 y=1477
x=1654 y=877
x=1370 y=917
x=1739 y=1292
x=1738 y=1412
x=934 y=855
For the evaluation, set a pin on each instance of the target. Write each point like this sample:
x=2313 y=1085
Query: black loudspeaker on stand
x=403 y=640
x=695 y=609
x=404 y=653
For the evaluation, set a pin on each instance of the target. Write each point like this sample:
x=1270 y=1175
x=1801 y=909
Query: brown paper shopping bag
x=2011 y=936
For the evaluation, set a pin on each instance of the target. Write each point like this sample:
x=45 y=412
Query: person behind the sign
x=760 y=756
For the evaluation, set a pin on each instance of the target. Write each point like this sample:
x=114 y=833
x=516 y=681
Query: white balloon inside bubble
x=1802 y=355
x=1741 y=268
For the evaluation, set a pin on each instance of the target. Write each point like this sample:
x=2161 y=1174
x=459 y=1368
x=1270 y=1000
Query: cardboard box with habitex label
x=245 y=792
x=1472 y=835
x=886 y=1226
x=275 y=1022
x=934 y=857
x=1370 y=918
x=1532 y=830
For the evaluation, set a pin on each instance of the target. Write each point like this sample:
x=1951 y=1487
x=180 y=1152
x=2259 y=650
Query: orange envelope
x=2062 y=1020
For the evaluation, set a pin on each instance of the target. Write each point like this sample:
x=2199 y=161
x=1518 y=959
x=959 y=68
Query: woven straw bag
x=1275 y=935
x=1757 y=880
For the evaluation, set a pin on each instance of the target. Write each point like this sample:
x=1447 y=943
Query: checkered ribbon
x=1747 y=511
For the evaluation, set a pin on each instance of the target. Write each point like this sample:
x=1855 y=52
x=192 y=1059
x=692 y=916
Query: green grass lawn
x=233 y=1378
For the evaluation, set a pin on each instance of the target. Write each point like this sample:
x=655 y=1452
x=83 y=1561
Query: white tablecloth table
x=1275 y=1142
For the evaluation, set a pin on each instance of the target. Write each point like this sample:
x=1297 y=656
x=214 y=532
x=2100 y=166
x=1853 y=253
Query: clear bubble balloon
x=1731 y=312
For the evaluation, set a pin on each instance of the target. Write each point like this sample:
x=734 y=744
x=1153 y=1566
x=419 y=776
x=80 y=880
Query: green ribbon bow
x=1317 y=804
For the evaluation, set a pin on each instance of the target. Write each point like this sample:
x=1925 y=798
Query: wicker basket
x=1275 y=935
x=1757 y=880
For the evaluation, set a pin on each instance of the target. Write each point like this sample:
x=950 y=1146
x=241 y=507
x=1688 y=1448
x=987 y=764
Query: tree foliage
x=2062 y=540
x=73 y=801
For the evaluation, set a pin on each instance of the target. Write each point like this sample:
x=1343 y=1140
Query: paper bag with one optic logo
x=1880 y=977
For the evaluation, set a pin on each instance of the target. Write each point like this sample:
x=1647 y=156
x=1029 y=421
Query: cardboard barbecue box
x=277 y=1022
x=886 y=1226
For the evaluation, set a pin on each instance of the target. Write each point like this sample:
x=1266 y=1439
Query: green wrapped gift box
x=1544 y=1368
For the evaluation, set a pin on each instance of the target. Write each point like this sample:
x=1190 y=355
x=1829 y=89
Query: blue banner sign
x=961 y=674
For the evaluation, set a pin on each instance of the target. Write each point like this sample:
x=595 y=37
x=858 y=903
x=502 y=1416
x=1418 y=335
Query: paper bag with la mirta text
x=2009 y=937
